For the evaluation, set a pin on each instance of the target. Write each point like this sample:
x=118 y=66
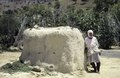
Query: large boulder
x=60 y=48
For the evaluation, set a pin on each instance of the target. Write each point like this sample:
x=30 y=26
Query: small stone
x=12 y=48
x=51 y=67
x=36 y=69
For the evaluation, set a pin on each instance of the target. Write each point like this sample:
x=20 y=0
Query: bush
x=15 y=67
x=106 y=35
x=8 y=29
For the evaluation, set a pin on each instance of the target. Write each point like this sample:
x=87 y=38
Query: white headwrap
x=90 y=31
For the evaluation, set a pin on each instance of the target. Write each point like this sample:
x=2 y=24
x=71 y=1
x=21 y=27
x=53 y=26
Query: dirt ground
x=110 y=67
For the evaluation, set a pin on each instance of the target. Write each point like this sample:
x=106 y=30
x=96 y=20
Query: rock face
x=61 y=48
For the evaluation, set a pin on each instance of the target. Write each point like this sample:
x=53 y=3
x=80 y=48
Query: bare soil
x=110 y=67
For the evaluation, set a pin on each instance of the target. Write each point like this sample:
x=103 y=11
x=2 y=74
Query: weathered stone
x=63 y=47
x=36 y=69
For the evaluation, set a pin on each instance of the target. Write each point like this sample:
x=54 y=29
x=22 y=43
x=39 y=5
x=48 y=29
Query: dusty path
x=110 y=67
x=7 y=57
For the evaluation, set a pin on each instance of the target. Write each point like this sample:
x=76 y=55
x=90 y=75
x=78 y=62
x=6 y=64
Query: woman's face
x=90 y=35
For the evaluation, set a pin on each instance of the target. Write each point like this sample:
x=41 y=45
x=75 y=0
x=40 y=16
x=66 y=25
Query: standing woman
x=93 y=51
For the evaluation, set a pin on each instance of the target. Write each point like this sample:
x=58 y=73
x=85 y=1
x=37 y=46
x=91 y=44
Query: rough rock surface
x=60 y=48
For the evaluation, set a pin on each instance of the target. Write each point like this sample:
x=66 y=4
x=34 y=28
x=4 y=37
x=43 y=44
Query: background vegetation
x=103 y=18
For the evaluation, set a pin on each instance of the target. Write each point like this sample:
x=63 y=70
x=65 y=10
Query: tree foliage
x=103 y=19
x=8 y=29
x=104 y=5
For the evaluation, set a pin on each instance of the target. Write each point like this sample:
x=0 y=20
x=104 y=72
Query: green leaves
x=104 y=5
x=8 y=27
x=103 y=19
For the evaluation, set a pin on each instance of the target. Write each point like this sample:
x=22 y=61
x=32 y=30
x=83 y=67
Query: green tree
x=38 y=14
x=8 y=29
x=114 y=12
x=106 y=35
x=104 y=5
